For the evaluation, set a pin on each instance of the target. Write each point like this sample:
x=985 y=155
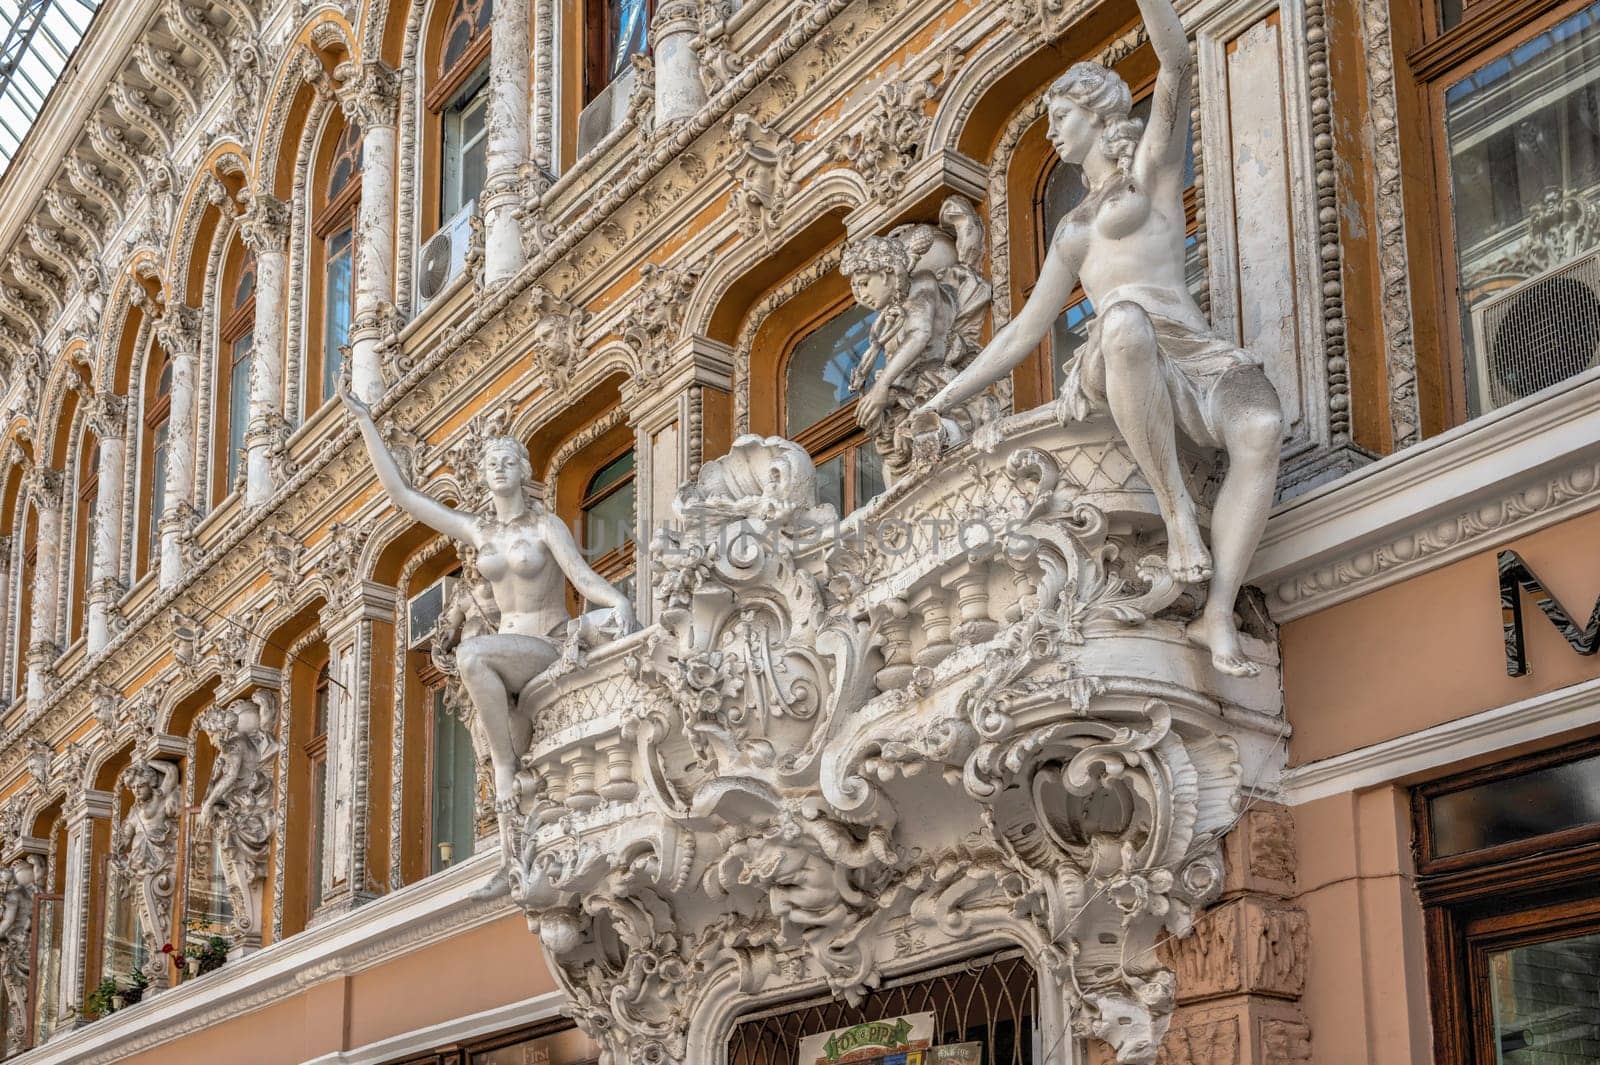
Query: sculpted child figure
x=523 y=551
x=1151 y=358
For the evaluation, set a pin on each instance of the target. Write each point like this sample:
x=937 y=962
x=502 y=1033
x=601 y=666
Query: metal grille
x=988 y=1001
x=1538 y=334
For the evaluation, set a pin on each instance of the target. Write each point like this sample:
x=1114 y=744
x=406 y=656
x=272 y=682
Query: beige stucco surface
x=1430 y=650
x=489 y=966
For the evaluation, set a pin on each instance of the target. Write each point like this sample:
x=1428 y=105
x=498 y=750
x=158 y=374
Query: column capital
x=89 y=803
x=178 y=330
x=367 y=601
x=674 y=16
x=369 y=93
x=43 y=486
x=264 y=222
x=694 y=360
x=108 y=415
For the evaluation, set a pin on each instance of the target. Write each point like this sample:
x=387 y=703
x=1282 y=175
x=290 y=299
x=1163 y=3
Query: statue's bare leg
x=1247 y=413
x=1136 y=392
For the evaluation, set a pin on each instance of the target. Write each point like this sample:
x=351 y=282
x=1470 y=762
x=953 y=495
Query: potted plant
x=208 y=955
x=100 y=1002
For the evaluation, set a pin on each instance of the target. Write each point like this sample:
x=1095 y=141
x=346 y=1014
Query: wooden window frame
x=316 y=752
x=34 y=973
x=433 y=683
x=83 y=530
x=1488 y=29
x=157 y=414
x=331 y=219
x=619 y=562
x=598 y=33
x=235 y=324
x=1526 y=891
x=835 y=433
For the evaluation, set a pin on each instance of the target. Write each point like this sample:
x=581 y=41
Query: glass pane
x=1504 y=811
x=158 y=487
x=608 y=524
x=465 y=147
x=830 y=483
x=336 y=314
x=1524 y=141
x=631 y=26
x=46 y=968
x=610 y=474
x=455 y=781
x=817 y=381
x=869 y=473
x=205 y=926
x=474 y=169
x=1547 y=1002
x=1067 y=335
x=125 y=948
x=571 y=1047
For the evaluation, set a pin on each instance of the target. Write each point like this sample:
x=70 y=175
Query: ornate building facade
x=915 y=721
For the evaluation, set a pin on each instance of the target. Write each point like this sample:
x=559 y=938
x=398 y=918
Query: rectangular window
x=317 y=754
x=124 y=948
x=46 y=965
x=455 y=788
x=1509 y=878
x=158 y=489
x=340 y=296
x=466 y=143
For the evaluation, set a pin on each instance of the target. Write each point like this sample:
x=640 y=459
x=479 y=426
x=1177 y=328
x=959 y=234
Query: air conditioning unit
x=605 y=112
x=1539 y=333
x=423 y=611
x=444 y=256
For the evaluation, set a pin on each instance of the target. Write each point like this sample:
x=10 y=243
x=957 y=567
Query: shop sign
x=1515 y=578
x=869 y=1042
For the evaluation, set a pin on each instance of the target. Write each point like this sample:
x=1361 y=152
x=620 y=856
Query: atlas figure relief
x=1151 y=360
x=525 y=554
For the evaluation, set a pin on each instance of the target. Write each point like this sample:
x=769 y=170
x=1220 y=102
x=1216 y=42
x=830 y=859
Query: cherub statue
x=1151 y=358
x=523 y=552
x=147 y=846
x=926 y=284
x=238 y=806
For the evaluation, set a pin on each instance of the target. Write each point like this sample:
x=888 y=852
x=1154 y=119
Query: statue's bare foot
x=1187 y=557
x=1222 y=640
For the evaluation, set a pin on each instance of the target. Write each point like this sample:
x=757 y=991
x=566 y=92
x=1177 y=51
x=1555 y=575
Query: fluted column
x=44 y=489
x=679 y=91
x=88 y=811
x=264 y=225
x=108 y=417
x=370 y=98
x=178 y=333
x=510 y=46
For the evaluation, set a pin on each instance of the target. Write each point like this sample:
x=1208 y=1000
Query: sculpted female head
x=506 y=467
x=1089 y=108
x=879 y=271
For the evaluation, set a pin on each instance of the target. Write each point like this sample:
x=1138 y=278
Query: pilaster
x=88 y=810
x=670 y=412
x=264 y=226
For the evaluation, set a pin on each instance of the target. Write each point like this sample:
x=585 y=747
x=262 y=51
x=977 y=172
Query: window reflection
x=1545 y=999
x=1547 y=800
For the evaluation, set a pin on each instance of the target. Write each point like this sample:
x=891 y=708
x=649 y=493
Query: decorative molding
x=1531 y=720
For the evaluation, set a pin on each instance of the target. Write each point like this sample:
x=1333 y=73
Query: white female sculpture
x=523 y=552
x=1151 y=357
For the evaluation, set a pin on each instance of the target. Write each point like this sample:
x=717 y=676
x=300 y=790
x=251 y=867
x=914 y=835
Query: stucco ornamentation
x=18 y=886
x=238 y=808
x=763 y=166
x=145 y=852
x=892 y=137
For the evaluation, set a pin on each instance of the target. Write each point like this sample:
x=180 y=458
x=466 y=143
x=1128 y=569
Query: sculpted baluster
x=1151 y=359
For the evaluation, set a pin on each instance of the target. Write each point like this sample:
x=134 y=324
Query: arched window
x=616 y=31
x=158 y=409
x=233 y=368
x=317 y=797
x=1062 y=189
x=458 y=99
x=334 y=257
x=819 y=409
x=83 y=536
x=607 y=510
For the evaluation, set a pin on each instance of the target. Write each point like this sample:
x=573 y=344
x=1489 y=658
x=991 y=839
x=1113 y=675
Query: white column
x=6 y=694
x=510 y=47
x=178 y=333
x=370 y=98
x=43 y=486
x=108 y=417
x=679 y=91
x=264 y=226
x=84 y=807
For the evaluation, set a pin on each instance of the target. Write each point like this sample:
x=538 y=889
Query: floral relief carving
x=892 y=137
x=762 y=166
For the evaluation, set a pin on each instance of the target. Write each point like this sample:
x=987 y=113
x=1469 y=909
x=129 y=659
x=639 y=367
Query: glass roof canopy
x=39 y=38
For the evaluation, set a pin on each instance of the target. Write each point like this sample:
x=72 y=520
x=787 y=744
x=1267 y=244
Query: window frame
x=620 y=562
x=236 y=324
x=316 y=755
x=1513 y=894
x=834 y=433
x=157 y=420
x=87 y=502
x=599 y=30
x=332 y=219
x=1488 y=30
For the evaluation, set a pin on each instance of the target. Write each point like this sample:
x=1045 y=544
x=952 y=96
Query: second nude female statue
x=526 y=555
x=1151 y=358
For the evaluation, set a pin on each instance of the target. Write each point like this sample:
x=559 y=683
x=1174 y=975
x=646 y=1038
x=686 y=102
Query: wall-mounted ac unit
x=423 y=610
x=444 y=256
x=1539 y=333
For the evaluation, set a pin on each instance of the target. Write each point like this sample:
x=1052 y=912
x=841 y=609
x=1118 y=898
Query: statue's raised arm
x=1165 y=142
x=432 y=513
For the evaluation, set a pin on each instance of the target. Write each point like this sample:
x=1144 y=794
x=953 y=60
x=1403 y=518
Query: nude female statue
x=523 y=552
x=1151 y=358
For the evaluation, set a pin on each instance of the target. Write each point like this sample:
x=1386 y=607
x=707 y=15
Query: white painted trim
x=512 y=1015
x=1536 y=718
x=410 y=919
x=1505 y=475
